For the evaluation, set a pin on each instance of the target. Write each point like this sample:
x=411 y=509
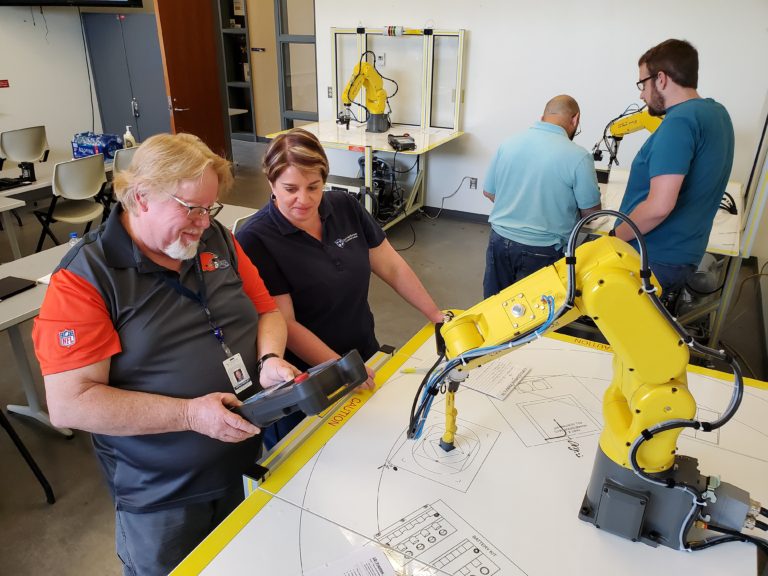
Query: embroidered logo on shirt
x=67 y=338
x=341 y=241
x=210 y=262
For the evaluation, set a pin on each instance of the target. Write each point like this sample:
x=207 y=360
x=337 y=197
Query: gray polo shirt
x=165 y=346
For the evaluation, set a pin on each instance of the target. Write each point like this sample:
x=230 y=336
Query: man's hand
x=210 y=415
x=275 y=370
x=368 y=384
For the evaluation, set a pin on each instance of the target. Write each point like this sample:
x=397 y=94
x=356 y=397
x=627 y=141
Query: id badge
x=237 y=373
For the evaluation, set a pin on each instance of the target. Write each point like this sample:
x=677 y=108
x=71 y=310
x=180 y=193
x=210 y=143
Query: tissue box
x=89 y=143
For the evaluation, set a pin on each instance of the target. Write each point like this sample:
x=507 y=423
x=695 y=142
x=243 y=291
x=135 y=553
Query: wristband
x=265 y=358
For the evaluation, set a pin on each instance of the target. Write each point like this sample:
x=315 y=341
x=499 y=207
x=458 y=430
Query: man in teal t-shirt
x=540 y=183
x=679 y=175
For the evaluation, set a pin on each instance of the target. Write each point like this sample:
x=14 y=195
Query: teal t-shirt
x=695 y=139
x=540 y=180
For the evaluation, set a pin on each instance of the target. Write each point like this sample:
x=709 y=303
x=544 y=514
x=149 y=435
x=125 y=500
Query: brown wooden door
x=189 y=33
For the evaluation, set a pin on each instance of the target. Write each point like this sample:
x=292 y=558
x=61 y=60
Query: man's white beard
x=179 y=251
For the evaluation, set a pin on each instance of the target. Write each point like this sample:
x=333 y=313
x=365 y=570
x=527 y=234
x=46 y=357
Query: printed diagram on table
x=455 y=469
x=555 y=419
x=436 y=535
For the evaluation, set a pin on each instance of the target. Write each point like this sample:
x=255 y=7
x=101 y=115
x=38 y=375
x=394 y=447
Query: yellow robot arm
x=634 y=122
x=365 y=75
x=649 y=384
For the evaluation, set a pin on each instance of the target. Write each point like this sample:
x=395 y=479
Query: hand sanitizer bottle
x=128 y=140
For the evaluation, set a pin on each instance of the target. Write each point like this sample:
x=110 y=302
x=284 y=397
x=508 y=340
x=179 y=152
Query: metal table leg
x=14 y=242
x=33 y=409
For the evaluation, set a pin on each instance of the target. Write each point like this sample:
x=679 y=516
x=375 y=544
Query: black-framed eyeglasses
x=199 y=211
x=641 y=83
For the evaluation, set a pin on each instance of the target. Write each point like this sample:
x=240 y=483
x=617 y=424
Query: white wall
x=519 y=54
x=43 y=58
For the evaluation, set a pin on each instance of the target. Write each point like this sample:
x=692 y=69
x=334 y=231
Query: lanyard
x=201 y=298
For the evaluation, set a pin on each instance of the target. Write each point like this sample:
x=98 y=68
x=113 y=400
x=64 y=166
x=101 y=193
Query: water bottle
x=73 y=239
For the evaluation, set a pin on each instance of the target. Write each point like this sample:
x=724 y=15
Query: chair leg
x=46 y=219
x=28 y=458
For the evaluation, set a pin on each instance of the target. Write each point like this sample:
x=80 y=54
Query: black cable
x=728 y=204
x=708 y=543
x=415 y=415
x=413 y=231
x=88 y=70
x=759 y=542
x=757 y=155
x=394 y=164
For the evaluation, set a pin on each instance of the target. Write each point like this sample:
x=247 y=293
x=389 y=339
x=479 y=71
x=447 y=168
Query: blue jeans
x=507 y=261
x=672 y=277
x=153 y=543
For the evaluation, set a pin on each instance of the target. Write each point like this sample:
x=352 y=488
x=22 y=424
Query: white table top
x=726 y=230
x=333 y=135
x=507 y=497
x=10 y=203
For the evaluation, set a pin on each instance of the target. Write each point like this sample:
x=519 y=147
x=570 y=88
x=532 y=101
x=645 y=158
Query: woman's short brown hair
x=297 y=148
x=163 y=161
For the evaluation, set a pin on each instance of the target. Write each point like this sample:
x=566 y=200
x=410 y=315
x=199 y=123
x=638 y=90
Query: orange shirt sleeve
x=252 y=283
x=74 y=328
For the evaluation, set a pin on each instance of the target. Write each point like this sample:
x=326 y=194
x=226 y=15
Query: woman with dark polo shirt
x=315 y=252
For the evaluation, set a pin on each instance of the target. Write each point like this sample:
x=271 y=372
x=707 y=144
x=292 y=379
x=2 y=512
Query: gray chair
x=25 y=146
x=123 y=158
x=76 y=184
x=240 y=221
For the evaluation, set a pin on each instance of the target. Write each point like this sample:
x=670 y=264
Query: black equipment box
x=401 y=143
x=11 y=285
x=311 y=391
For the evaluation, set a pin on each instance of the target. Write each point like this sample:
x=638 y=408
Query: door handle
x=180 y=109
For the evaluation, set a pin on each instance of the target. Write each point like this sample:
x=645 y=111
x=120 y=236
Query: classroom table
x=504 y=503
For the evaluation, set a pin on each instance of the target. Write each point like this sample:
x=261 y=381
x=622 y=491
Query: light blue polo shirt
x=540 y=180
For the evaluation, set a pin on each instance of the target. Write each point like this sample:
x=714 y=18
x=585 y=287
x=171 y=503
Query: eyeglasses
x=641 y=83
x=199 y=211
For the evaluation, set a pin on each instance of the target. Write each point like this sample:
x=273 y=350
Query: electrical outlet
x=330 y=91
x=473 y=183
x=381 y=60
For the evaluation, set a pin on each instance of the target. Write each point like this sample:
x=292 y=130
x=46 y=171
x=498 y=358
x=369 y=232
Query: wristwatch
x=264 y=359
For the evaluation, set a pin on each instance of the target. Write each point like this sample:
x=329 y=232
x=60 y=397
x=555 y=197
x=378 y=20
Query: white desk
x=26 y=305
x=726 y=228
x=356 y=139
x=509 y=499
x=6 y=205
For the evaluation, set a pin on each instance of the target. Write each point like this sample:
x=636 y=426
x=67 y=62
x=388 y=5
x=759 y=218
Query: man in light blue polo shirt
x=540 y=184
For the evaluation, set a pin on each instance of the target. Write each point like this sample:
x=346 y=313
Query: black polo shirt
x=327 y=280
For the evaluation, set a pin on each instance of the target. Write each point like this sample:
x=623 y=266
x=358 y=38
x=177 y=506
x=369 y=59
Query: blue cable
x=436 y=379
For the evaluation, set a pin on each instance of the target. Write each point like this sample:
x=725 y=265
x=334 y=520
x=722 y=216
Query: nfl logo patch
x=67 y=338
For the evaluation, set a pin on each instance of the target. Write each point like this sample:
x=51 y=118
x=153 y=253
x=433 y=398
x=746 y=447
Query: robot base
x=622 y=503
x=377 y=123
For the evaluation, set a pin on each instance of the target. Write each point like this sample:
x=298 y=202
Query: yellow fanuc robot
x=640 y=488
x=615 y=131
x=365 y=75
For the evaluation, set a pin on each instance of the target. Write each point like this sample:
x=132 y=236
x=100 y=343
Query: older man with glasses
x=540 y=183
x=152 y=329
x=679 y=175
